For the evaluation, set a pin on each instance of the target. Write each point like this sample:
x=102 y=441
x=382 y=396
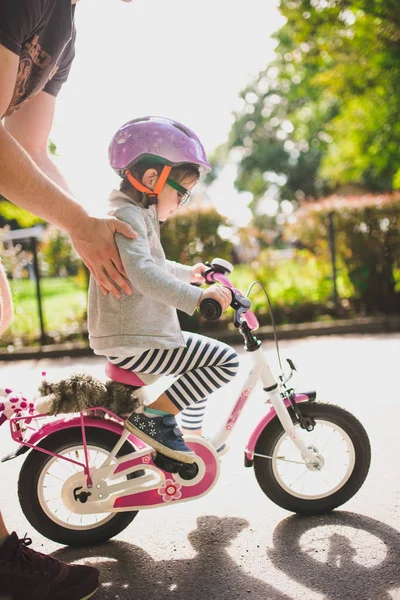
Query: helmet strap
x=152 y=195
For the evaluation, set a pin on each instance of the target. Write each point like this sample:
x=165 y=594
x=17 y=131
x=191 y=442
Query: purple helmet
x=167 y=141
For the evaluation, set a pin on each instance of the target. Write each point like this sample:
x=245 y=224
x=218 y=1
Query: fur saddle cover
x=82 y=391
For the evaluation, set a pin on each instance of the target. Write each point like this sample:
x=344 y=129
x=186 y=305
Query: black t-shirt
x=42 y=34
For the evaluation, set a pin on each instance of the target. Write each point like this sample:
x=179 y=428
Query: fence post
x=43 y=336
x=332 y=248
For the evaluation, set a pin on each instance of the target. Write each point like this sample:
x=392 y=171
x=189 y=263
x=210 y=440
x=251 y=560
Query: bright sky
x=175 y=58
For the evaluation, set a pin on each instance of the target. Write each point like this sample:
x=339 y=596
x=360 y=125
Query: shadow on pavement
x=128 y=572
x=341 y=555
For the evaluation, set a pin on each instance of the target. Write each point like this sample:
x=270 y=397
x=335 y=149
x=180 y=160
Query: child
x=160 y=162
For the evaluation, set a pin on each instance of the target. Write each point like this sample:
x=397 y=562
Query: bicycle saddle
x=123 y=376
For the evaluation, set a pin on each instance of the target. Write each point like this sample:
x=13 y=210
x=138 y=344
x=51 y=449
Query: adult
x=36 y=52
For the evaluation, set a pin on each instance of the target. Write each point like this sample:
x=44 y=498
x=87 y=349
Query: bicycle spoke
x=55 y=477
x=299 y=477
x=327 y=442
x=306 y=481
x=53 y=481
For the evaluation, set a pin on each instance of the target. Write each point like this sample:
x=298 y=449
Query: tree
x=367 y=232
x=16 y=217
x=325 y=112
x=193 y=235
x=58 y=254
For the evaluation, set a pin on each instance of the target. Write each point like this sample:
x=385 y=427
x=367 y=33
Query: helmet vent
x=182 y=129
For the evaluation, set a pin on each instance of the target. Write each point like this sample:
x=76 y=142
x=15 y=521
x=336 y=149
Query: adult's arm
x=30 y=126
x=23 y=182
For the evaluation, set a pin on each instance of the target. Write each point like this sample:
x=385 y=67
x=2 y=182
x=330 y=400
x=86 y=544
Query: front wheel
x=341 y=442
x=41 y=479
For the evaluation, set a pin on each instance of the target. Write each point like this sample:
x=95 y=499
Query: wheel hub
x=81 y=496
x=317 y=463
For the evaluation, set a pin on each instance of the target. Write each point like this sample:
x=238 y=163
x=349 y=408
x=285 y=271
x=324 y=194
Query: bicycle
x=87 y=477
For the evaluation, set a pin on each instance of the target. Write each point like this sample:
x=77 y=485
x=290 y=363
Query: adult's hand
x=95 y=244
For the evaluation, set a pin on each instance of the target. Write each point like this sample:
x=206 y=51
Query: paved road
x=235 y=543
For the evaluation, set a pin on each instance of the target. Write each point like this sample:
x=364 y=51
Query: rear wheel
x=341 y=442
x=42 y=477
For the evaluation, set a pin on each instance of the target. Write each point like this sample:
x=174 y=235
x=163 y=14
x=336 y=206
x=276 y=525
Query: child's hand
x=219 y=293
x=197 y=273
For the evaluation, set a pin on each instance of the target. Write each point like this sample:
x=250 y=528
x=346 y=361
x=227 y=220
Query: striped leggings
x=201 y=367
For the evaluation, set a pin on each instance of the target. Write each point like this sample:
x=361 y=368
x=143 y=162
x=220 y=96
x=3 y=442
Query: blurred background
x=297 y=103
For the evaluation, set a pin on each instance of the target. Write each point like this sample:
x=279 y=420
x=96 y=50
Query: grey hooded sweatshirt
x=147 y=319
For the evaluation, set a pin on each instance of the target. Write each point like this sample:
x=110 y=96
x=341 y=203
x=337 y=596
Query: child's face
x=169 y=199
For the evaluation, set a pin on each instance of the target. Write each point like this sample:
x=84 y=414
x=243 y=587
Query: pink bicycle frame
x=113 y=424
x=260 y=371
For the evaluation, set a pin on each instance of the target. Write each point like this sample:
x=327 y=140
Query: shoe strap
x=170 y=421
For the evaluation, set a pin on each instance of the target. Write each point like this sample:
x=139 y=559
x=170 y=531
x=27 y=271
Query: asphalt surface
x=234 y=542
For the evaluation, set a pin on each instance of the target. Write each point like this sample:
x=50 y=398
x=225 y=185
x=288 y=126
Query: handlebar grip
x=210 y=309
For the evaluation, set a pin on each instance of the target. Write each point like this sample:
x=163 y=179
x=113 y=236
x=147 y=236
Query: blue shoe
x=163 y=434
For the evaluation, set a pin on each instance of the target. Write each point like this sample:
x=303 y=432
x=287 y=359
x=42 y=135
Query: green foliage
x=192 y=235
x=396 y=180
x=57 y=253
x=12 y=213
x=367 y=240
x=300 y=286
x=64 y=308
x=325 y=112
x=52 y=148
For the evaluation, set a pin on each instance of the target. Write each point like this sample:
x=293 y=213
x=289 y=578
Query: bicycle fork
x=271 y=387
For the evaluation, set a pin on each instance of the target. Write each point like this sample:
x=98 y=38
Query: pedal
x=189 y=471
x=167 y=464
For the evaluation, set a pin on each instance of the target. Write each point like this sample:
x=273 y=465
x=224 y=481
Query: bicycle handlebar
x=212 y=310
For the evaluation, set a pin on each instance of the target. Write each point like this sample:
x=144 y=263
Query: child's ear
x=149 y=178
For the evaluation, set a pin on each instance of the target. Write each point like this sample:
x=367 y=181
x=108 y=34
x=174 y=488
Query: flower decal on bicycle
x=146 y=459
x=170 y=490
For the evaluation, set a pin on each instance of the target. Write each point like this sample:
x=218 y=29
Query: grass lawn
x=300 y=289
x=63 y=306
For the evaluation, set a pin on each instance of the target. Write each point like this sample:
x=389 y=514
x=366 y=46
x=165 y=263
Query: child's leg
x=202 y=367
x=192 y=418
